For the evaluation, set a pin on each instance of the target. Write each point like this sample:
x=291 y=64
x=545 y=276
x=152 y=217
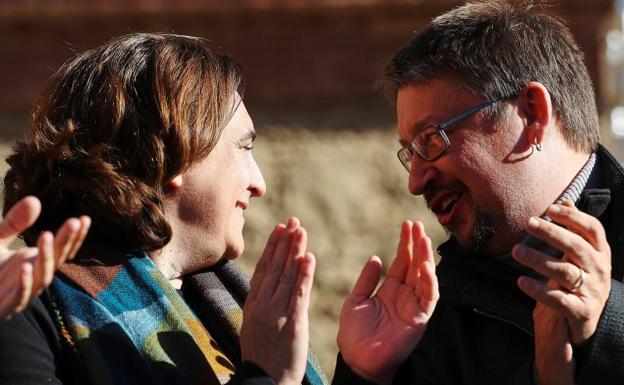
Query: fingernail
x=554 y=209
x=523 y=282
x=519 y=251
x=533 y=222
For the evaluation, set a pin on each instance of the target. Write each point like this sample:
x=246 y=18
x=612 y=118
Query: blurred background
x=327 y=145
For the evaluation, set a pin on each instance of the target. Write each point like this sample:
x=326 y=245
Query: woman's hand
x=378 y=332
x=275 y=333
x=26 y=272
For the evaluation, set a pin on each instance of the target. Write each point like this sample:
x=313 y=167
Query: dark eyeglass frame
x=420 y=141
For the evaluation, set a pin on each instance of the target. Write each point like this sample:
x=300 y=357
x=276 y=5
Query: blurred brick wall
x=294 y=52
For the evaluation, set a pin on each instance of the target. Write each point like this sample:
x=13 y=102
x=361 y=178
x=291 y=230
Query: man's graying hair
x=493 y=49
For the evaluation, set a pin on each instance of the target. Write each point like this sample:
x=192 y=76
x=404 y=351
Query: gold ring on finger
x=579 y=281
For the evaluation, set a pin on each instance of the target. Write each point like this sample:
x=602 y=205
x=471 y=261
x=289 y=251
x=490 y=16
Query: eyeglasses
x=432 y=142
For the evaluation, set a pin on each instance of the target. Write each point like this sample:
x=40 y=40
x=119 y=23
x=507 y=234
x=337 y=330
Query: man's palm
x=377 y=333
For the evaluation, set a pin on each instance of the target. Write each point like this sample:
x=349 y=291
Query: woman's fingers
x=262 y=265
x=366 y=282
x=300 y=296
x=21 y=216
x=289 y=277
x=278 y=260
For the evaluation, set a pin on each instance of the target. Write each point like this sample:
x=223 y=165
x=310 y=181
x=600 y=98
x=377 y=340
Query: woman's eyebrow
x=249 y=135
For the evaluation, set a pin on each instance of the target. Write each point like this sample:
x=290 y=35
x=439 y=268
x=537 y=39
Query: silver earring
x=538 y=146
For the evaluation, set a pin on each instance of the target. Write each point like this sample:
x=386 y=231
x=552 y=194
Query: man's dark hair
x=493 y=49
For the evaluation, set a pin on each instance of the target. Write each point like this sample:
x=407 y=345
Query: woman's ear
x=176 y=182
x=536 y=107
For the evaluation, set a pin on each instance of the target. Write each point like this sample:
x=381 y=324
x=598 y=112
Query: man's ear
x=536 y=106
x=176 y=183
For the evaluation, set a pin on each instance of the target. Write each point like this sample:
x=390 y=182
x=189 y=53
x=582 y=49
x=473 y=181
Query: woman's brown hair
x=113 y=127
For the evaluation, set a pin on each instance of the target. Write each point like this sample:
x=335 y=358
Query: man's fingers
x=21 y=216
x=427 y=287
x=421 y=252
x=572 y=244
x=562 y=272
x=554 y=298
x=580 y=223
x=367 y=281
x=400 y=264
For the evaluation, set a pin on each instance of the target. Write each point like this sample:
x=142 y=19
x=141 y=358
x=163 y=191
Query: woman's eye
x=248 y=147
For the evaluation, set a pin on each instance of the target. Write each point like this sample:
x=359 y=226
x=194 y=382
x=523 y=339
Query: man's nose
x=422 y=172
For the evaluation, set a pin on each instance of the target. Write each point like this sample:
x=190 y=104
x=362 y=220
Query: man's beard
x=484 y=224
x=482 y=231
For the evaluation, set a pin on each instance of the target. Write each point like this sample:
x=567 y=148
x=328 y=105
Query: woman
x=148 y=136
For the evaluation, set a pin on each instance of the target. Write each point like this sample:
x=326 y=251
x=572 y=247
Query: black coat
x=481 y=331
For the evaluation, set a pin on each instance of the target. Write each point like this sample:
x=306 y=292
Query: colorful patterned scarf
x=128 y=325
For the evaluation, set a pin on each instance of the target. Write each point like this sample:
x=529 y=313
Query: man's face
x=478 y=188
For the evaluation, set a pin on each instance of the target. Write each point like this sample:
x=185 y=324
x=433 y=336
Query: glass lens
x=405 y=156
x=429 y=143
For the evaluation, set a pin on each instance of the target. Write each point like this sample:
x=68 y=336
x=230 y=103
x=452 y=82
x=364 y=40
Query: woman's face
x=216 y=191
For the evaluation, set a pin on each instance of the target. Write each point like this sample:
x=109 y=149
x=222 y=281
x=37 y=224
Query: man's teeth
x=446 y=204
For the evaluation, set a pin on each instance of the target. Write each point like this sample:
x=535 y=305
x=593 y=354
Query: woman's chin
x=234 y=251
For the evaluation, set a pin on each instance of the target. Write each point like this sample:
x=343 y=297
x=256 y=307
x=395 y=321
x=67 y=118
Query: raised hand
x=579 y=283
x=26 y=272
x=554 y=360
x=275 y=331
x=378 y=332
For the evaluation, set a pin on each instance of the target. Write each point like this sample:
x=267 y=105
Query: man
x=499 y=133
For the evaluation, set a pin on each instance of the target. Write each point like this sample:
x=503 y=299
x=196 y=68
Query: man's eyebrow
x=415 y=128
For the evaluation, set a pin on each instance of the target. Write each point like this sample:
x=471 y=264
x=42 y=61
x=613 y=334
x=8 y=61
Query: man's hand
x=275 y=332
x=26 y=272
x=378 y=332
x=579 y=296
x=554 y=360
